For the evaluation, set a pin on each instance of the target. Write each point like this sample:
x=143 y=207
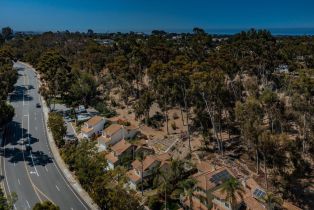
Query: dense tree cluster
x=8 y=77
x=252 y=84
x=105 y=187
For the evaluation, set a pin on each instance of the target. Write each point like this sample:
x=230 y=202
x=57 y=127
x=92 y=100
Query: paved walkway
x=61 y=164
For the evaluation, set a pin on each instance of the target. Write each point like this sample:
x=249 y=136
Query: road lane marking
x=36 y=128
x=57 y=188
x=34 y=163
x=27 y=172
x=18 y=180
x=14 y=207
x=44 y=195
x=28 y=204
x=46 y=168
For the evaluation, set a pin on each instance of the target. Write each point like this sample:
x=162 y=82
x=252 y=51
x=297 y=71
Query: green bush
x=154 y=202
x=57 y=127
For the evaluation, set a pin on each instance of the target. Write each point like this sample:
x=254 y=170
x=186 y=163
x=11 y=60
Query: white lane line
x=28 y=204
x=72 y=209
x=14 y=207
x=36 y=128
x=46 y=168
x=18 y=180
x=29 y=143
x=34 y=164
x=57 y=188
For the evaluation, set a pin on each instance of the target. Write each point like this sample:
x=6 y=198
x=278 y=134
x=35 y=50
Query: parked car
x=38 y=105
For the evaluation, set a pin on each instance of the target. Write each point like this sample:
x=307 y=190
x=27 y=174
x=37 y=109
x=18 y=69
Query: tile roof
x=204 y=166
x=113 y=128
x=120 y=147
x=149 y=160
x=94 y=121
x=111 y=157
x=252 y=203
x=204 y=179
x=290 y=206
x=133 y=176
x=196 y=204
x=247 y=195
x=86 y=129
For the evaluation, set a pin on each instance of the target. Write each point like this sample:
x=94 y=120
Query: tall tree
x=232 y=188
x=7 y=33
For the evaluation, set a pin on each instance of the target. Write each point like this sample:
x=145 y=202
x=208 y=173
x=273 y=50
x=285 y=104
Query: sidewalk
x=59 y=161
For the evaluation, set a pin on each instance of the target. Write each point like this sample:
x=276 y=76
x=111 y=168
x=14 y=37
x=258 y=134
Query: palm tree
x=271 y=200
x=187 y=188
x=140 y=157
x=232 y=187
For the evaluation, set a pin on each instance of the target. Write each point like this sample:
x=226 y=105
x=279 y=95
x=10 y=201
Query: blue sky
x=145 y=15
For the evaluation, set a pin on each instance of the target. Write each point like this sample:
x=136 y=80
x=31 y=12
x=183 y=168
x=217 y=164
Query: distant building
x=283 y=68
x=105 y=42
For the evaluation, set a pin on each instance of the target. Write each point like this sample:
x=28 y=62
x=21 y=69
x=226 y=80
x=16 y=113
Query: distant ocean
x=227 y=31
x=274 y=31
x=221 y=31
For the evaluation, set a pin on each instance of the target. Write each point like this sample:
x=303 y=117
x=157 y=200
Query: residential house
x=208 y=182
x=120 y=150
x=146 y=168
x=115 y=133
x=93 y=127
x=208 y=192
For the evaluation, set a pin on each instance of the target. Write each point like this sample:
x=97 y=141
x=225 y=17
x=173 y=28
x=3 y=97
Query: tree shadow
x=17 y=95
x=22 y=150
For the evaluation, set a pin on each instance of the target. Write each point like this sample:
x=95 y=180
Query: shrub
x=154 y=202
x=57 y=127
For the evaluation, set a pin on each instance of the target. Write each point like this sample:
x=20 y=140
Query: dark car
x=38 y=105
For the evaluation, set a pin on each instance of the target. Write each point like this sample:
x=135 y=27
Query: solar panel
x=220 y=177
x=258 y=193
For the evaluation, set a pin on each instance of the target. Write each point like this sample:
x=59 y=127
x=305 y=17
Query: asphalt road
x=32 y=173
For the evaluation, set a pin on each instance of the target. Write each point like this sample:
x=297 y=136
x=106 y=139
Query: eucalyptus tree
x=209 y=87
x=249 y=115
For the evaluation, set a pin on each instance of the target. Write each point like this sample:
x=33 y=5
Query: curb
x=59 y=161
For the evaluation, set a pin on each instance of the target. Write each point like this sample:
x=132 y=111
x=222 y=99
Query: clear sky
x=145 y=15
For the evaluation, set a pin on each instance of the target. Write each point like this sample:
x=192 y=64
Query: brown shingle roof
x=120 y=147
x=94 y=121
x=113 y=129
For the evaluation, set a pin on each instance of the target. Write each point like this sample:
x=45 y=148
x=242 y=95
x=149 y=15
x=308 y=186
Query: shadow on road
x=17 y=95
x=14 y=137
